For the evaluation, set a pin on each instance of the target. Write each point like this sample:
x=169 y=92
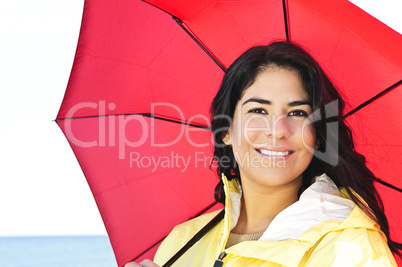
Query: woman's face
x=270 y=134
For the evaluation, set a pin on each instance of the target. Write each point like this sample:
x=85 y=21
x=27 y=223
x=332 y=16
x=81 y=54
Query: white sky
x=42 y=188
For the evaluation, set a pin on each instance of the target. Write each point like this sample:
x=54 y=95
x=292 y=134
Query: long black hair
x=346 y=167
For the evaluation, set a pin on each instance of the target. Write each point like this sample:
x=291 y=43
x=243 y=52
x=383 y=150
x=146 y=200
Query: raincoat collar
x=320 y=209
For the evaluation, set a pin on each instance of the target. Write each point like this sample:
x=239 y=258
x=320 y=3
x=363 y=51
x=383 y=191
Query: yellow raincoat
x=323 y=228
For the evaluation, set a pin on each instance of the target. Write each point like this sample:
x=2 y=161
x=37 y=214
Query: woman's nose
x=278 y=128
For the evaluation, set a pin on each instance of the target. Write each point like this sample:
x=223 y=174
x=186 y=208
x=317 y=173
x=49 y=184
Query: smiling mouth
x=274 y=153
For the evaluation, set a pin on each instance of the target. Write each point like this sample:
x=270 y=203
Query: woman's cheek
x=308 y=136
x=253 y=128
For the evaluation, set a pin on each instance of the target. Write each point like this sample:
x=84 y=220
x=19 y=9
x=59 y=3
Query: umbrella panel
x=132 y=56
x=375 y=127
x=133 y=169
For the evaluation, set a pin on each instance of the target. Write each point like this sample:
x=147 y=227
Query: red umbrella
x=136 y=107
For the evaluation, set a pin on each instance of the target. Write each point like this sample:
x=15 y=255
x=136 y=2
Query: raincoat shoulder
x=357 y=241
x=353 y=241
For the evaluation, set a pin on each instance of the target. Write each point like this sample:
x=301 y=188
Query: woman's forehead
x=276 y=84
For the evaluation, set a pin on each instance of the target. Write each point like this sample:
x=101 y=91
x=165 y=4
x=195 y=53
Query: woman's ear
x=227 y=139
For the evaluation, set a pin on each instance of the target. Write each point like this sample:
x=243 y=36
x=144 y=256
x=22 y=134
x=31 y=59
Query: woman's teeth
x=274 y=153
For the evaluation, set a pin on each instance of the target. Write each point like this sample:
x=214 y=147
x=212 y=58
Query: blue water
x=63 y=251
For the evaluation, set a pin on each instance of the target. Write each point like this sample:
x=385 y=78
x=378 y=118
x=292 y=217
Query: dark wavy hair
x=350 y=171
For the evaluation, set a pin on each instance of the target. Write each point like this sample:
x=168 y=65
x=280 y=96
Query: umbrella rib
x=388 y=185
x=145 y=1
x=159 y=241
x=175 y=121
x=286 y=17
x=182 y=25
x=141 y=114
x=373 y=99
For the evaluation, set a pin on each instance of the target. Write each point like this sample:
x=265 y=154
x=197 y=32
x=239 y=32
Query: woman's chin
x=272 y=177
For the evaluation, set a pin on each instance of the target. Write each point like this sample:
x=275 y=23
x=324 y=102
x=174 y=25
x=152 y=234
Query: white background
x=42 y=188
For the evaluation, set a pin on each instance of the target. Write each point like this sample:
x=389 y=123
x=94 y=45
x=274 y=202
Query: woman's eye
x=257 y=110
x=298 y=113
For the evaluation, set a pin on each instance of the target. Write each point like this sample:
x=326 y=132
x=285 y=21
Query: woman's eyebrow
x=268 y=102
x=299 y=103
x=258 y=100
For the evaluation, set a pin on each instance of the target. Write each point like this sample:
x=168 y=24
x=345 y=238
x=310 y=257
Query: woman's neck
x=260 y=206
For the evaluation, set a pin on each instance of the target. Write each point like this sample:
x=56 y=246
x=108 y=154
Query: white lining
x=319 y=202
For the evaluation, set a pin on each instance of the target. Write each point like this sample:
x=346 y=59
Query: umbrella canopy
x=136 y=107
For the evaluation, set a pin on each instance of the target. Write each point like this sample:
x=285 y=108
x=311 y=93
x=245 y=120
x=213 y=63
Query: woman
x=292 y=198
